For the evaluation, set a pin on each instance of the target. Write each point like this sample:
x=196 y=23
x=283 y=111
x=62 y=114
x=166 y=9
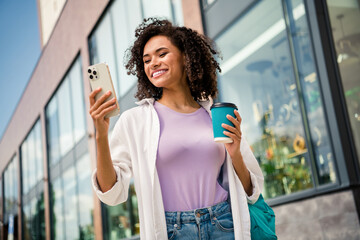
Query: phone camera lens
x=91 y=77
x=94 y=72
x=89 y=70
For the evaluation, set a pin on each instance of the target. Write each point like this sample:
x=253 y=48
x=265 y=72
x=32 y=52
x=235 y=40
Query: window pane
x=31 y=160
x=77 y=96
x=40 y=207
x=33 y=224
x=65 y=125
x=344 y=19
x=105 y=51
x=70 y=203
x=27 y=221
x=126 y=17
x=157 y=8
x=52 y=128
x=308 y=76
x=86 y=202
x=24 y=162
x=39 y=152
x=257 y=75
x=57 y=225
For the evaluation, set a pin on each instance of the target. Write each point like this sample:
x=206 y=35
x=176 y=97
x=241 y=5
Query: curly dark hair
x=199 y=51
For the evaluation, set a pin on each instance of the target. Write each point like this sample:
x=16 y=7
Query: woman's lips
x=158 y=73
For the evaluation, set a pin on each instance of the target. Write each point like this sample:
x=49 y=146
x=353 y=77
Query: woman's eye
x=146 y=61
x=163 y=54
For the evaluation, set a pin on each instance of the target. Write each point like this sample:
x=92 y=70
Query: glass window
x=105 y=49
x=32 y=175
x=65 y=122
x=26 y=221
x=57 y=224
x=77 y=97
x=39 y=152
x=307 y=74
x=344 y=19
x=70 y=203
x=85 y=195
x=258 y=75
x=157 y=8
x=126 y=16
x=24 y=162
x=52 y=130
x=31 y=160
x=11 y=194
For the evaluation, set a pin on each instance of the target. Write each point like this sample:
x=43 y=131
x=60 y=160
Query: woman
x=187 y=185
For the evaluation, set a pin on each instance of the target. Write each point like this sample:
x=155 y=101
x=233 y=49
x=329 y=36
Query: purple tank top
x=188 y=160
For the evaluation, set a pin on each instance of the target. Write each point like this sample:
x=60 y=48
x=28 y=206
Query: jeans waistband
x=197 y=215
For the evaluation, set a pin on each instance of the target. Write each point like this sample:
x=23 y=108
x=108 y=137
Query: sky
x=19 y=52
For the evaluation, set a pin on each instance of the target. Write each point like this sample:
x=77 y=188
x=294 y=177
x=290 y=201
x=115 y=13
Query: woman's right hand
x=98 y=110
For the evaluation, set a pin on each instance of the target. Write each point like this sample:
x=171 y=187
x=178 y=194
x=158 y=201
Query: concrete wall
x=331 y=216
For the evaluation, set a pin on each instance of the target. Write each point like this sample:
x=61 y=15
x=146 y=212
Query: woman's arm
x=106 y=176
x=234 y=150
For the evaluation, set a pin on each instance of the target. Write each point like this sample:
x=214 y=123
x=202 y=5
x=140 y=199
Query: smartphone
x=99 y=76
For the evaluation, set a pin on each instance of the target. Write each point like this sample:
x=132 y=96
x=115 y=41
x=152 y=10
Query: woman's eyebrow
x=157 y=50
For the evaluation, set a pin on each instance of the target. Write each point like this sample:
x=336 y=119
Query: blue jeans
x=206 y=223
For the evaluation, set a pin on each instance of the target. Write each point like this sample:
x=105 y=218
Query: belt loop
x=178 y=222
x=211 y=212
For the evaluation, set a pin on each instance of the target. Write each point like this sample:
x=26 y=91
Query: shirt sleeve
x=256 y=175
x=119 y=151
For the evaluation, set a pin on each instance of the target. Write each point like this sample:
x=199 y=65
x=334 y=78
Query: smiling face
x=164 y=63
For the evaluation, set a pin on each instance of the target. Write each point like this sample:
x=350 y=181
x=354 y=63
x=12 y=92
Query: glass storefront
x=113 y=35
x=33 y=208
x=71 y=204
x=10 y=177
x=344 y=19
x=269 y=72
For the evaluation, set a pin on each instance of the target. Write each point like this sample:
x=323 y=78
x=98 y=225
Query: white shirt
x=133 y=147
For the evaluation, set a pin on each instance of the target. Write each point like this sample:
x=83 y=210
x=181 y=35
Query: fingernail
x=109 y=92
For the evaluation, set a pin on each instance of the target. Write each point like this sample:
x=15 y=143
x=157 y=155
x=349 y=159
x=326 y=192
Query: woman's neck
x=179 y=100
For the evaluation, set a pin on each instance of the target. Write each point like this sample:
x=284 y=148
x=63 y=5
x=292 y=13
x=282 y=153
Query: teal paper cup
x=218 y=113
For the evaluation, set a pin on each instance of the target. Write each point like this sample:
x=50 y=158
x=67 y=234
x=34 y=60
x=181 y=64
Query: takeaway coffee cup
x=218 y=113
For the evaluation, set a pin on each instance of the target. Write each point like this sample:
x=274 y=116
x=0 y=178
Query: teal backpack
x=262 y=220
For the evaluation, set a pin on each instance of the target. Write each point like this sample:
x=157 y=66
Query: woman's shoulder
x=135 y=114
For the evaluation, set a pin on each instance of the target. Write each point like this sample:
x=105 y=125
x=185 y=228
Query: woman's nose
x=154 y=64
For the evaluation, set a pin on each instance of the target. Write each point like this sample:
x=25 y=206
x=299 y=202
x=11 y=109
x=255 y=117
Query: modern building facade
x=291 y=66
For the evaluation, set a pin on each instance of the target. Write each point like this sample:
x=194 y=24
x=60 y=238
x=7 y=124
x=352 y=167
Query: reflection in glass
x=126 y=17
x=344 y=19
x=123 y=219
x=65 y=124
x=258 y=77
x=31 y=160
x=32 y=173
x=70 y=204
x=52 y=130
x=26 y=222
x=77 y=103
x=24 y=162
x=86 y=202
x=311 y=93
x=105 y=49
x=38 y=152
x=57 y=225
x=10 y=193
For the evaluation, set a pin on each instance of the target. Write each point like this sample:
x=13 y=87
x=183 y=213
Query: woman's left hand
x=235 y=134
